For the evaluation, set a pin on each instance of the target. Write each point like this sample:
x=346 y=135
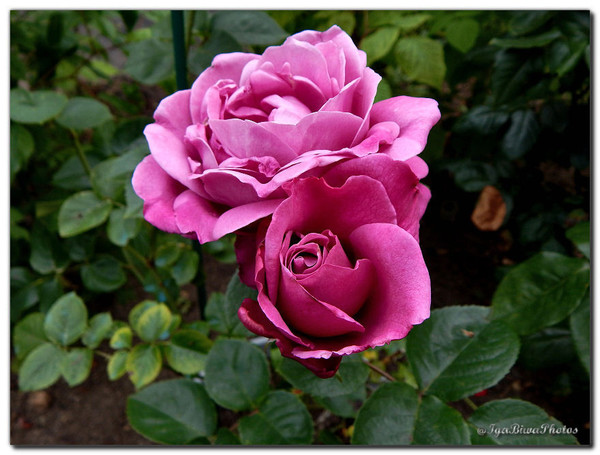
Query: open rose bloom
x=281 y=148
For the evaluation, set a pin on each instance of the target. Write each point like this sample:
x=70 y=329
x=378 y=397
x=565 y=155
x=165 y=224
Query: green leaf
x=121 y=339
x=71 y=175
x=540 y=292
x=462 y=33
x=120 y=229
x=482 y=120
x=526 y=42
x=35 y=107
x=580 y=236
x=21 y=148
x=105 y=274
x=76 y=365
x=81 y=113
x=498 y=419
x=41 y=367
x=236 y=374
x=421 y=59
x=547 y=348
x=521 y=135
x=221 y=310
x=384 y=91
x=402 y=21
x=99 y=328
x=81 y=212
x=379 y=43
x=28 y=334
x=150 y=61
x=395 y=415
x=457 y=352
x=249 y=27
x=579 y=322
x=172 y=412
x=143 y=364
x=117 y=365
x=47 y=252
x=352 y=375
x=281 y=419
x=67 y=319
x=512 y=75
x=523 y=22
x=343 y=19
x=152 y=322
x=187 y=351
x=111 y=176
x=225 y=437
x=344 y=405
x=185 y=268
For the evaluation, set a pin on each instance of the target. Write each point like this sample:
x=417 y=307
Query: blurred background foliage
x=514 y=92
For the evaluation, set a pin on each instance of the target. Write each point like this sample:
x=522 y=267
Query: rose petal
x=171 y=154
x=400 y=300
x=313 y=317
x=239 y=217
x=345 y=288
x=356 y=60
x=254 y=319
x=245 y=138
x=195 y=214
x=414 y=116
x=407 y=195
x=159 y=191
x=315 y=206
x=224 y=66
x=173 y=112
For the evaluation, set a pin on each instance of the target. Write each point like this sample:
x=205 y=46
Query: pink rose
x=338 y=267
x=221 y=151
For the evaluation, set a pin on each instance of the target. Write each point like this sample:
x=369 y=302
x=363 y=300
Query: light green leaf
x=457 y=352
x=67 y=319
x=143 y=364
x=172 y=412
x=35 y=107
x=121 y=339
x=395 y=415
x=99 y=328
x=540 y=292
x=82 y=212
x=421 y=59
x=379 y=43
x=236 y=374
x=152 y=322
x=28 y=334
x=76 y=365
x=187 y=351
x=117 y=365
x=105 y=274
x=281 y=419
x=498 y=419
x=462 y=33
x=41 y=367
x=81 y=113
